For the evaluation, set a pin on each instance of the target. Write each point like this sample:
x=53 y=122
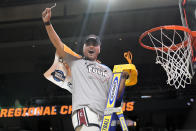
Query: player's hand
x=125 y=75
x=46 y=15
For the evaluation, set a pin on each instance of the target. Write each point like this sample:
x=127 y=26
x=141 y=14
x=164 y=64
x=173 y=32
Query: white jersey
x=90 y=84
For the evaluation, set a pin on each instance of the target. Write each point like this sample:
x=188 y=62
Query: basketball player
x=90 y=79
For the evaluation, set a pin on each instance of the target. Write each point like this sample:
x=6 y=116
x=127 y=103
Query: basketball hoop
x=173 y=48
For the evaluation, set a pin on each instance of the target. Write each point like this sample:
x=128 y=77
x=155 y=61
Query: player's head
x=91 y=47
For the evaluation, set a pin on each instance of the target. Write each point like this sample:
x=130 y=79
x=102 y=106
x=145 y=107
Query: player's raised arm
x=54 y=38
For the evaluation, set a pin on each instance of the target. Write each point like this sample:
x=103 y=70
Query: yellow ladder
x=113 y=93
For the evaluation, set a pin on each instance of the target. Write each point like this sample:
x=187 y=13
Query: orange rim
x=167 y=27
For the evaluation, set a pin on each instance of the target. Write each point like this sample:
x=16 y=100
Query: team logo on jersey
x=58 y=75
x=98 y=71
x=114 y=88
x=94 y=69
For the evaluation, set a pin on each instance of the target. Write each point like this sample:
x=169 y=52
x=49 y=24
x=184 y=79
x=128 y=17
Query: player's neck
x=86 y=58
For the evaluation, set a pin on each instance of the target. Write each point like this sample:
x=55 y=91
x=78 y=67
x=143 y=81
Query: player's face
x=91 y=51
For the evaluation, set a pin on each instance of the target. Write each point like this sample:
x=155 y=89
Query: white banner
x=60 y=74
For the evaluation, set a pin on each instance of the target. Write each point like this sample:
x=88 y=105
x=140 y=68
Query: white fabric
x=93 y=118
x=59 y=65
x=91 y=82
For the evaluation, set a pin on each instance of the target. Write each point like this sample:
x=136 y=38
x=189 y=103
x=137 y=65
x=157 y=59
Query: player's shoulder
x=105 y=66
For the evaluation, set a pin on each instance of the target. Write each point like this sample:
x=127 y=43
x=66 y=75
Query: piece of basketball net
x=172 y=45
x=128 y=57
x=53 y=6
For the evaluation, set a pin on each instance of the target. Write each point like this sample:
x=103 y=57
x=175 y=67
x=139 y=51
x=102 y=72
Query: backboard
x=188 y=17
x=188 y=13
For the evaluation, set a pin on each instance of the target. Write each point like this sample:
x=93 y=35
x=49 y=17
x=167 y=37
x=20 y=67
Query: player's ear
x=83 y=48
x=99 y=49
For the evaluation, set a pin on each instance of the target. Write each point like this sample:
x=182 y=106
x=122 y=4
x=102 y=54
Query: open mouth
x=90 y=51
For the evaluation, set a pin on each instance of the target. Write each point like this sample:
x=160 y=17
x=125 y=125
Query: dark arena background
x=26 y=53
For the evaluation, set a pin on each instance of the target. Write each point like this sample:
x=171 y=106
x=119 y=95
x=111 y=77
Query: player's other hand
x=46 y=15
x=125 y=75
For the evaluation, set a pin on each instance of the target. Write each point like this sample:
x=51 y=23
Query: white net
x=173 y=57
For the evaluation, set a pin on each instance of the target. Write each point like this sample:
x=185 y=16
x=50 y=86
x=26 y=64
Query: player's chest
x=94 y=71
